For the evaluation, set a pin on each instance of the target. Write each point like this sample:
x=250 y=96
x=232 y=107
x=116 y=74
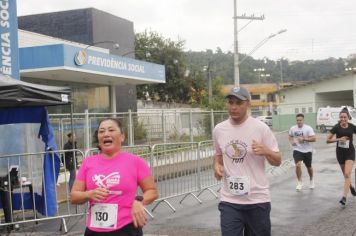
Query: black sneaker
x=343 y=201
x=353 y=191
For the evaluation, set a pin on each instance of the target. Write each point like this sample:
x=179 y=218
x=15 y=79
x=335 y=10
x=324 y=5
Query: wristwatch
x=139 y=198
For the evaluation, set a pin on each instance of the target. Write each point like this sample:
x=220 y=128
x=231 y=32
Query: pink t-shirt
x=121 y=176
x=234 y=142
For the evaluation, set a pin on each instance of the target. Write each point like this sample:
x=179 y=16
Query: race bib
x=345 y=144
x=104 y=216
x=238 y=185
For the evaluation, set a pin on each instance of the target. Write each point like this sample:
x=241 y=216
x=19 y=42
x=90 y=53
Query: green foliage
x=140 y=131
x=223 y=66
x=170 y=54
x=187 y=81
x=218 y=101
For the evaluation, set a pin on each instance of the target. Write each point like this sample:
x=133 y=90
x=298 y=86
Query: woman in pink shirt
x=109 y=181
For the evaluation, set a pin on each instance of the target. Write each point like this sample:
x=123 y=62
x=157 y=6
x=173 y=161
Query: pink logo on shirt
x=106 y=181
x=236 y=151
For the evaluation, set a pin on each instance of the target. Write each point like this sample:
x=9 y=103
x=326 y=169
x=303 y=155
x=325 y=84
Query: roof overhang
x=69 y=63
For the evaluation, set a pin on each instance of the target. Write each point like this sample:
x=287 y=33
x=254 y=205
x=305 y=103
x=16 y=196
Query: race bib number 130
x=104 y=216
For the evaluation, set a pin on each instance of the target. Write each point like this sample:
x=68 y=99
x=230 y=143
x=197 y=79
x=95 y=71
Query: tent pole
x=71 y=118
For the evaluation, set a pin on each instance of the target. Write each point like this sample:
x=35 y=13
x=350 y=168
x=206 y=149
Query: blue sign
x=89 y=60
x=9 y=52
x=60 y=56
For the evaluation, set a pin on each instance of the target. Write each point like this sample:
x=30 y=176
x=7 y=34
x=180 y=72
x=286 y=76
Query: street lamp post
x=147 y=54
x=350 y=69
x=236 y=55
x=261 y=43
x=114 y=44
x=260 y=74
x=210 y=89
x=281 y=66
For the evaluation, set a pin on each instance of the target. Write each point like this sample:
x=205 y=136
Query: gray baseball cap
x=240 y=93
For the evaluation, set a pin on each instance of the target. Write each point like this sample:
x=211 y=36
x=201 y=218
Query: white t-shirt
x=298 y=134
x=234 y=142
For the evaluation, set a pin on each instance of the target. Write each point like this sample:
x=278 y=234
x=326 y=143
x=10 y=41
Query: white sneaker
x=311 y=185
x=299 y=186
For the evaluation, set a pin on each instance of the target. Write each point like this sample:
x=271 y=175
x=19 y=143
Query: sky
x=316 y=29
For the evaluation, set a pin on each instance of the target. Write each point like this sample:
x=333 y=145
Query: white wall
x=308 y=98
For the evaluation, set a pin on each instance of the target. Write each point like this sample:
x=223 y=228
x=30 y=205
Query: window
x=255 y=96
x=282 y=98
x=296 y=110
x=310 y=109
x=304 y=110
x=271 y=97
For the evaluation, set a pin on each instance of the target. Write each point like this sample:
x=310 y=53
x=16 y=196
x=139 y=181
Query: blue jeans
x=247 y=220
x=72 y=175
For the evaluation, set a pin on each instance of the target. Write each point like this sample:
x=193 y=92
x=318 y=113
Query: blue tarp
x=46 y=202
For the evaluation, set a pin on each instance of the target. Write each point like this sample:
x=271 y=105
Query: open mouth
x=107 y=142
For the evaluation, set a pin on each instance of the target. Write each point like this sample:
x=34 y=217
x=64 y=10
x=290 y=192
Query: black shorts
x=345 y=154
x=127 y=230
x=305 y=157
x=252 y=219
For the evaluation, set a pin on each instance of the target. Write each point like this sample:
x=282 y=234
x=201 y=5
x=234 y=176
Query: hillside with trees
x=187 y=71
x=292 y=71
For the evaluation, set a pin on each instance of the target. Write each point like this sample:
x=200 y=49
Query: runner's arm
x=310 y=138
x=150 y=194
x=218 y=167
x=79 y=195
x=273 y=158
x=291 y=140
x=331 y=139
x=149 y=189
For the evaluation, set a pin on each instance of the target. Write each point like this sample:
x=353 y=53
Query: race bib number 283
x=239 y=185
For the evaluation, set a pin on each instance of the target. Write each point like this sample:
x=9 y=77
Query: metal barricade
x=28 y=187
x=175 y=171
x=143 y=151
x=179 y=170
x=206 y=179
x=286 y=151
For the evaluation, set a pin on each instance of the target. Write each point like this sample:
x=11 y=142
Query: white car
x=265 y=119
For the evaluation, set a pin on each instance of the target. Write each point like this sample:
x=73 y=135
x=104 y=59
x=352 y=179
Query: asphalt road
x=308 y=212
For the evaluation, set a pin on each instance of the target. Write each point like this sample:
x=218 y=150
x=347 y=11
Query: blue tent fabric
x=46 y=203
x=15 y=115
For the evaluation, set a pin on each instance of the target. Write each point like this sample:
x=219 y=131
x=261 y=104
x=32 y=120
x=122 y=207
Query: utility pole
x=236 y=49
x=280 y=63
x=210 y=89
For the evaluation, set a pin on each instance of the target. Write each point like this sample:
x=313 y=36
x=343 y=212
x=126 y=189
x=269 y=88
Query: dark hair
x=300 y=115
x=346 y=111
x=116 y=120
x=69 y=135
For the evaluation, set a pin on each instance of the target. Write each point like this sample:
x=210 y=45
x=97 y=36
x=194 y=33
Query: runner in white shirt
x=300 y=136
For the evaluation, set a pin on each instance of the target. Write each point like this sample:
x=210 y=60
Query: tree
x=152 y=47
x=218 y=101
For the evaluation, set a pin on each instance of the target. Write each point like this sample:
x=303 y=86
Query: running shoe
x=299 y=186
x=353 y=191
x=311 y=185
x=343 y=201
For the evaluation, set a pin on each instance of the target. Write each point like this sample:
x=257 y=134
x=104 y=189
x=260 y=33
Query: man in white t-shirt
x=300 y=136
x=242 y=144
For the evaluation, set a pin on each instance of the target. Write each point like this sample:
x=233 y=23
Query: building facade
x=264 y=98
x=106 y=81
